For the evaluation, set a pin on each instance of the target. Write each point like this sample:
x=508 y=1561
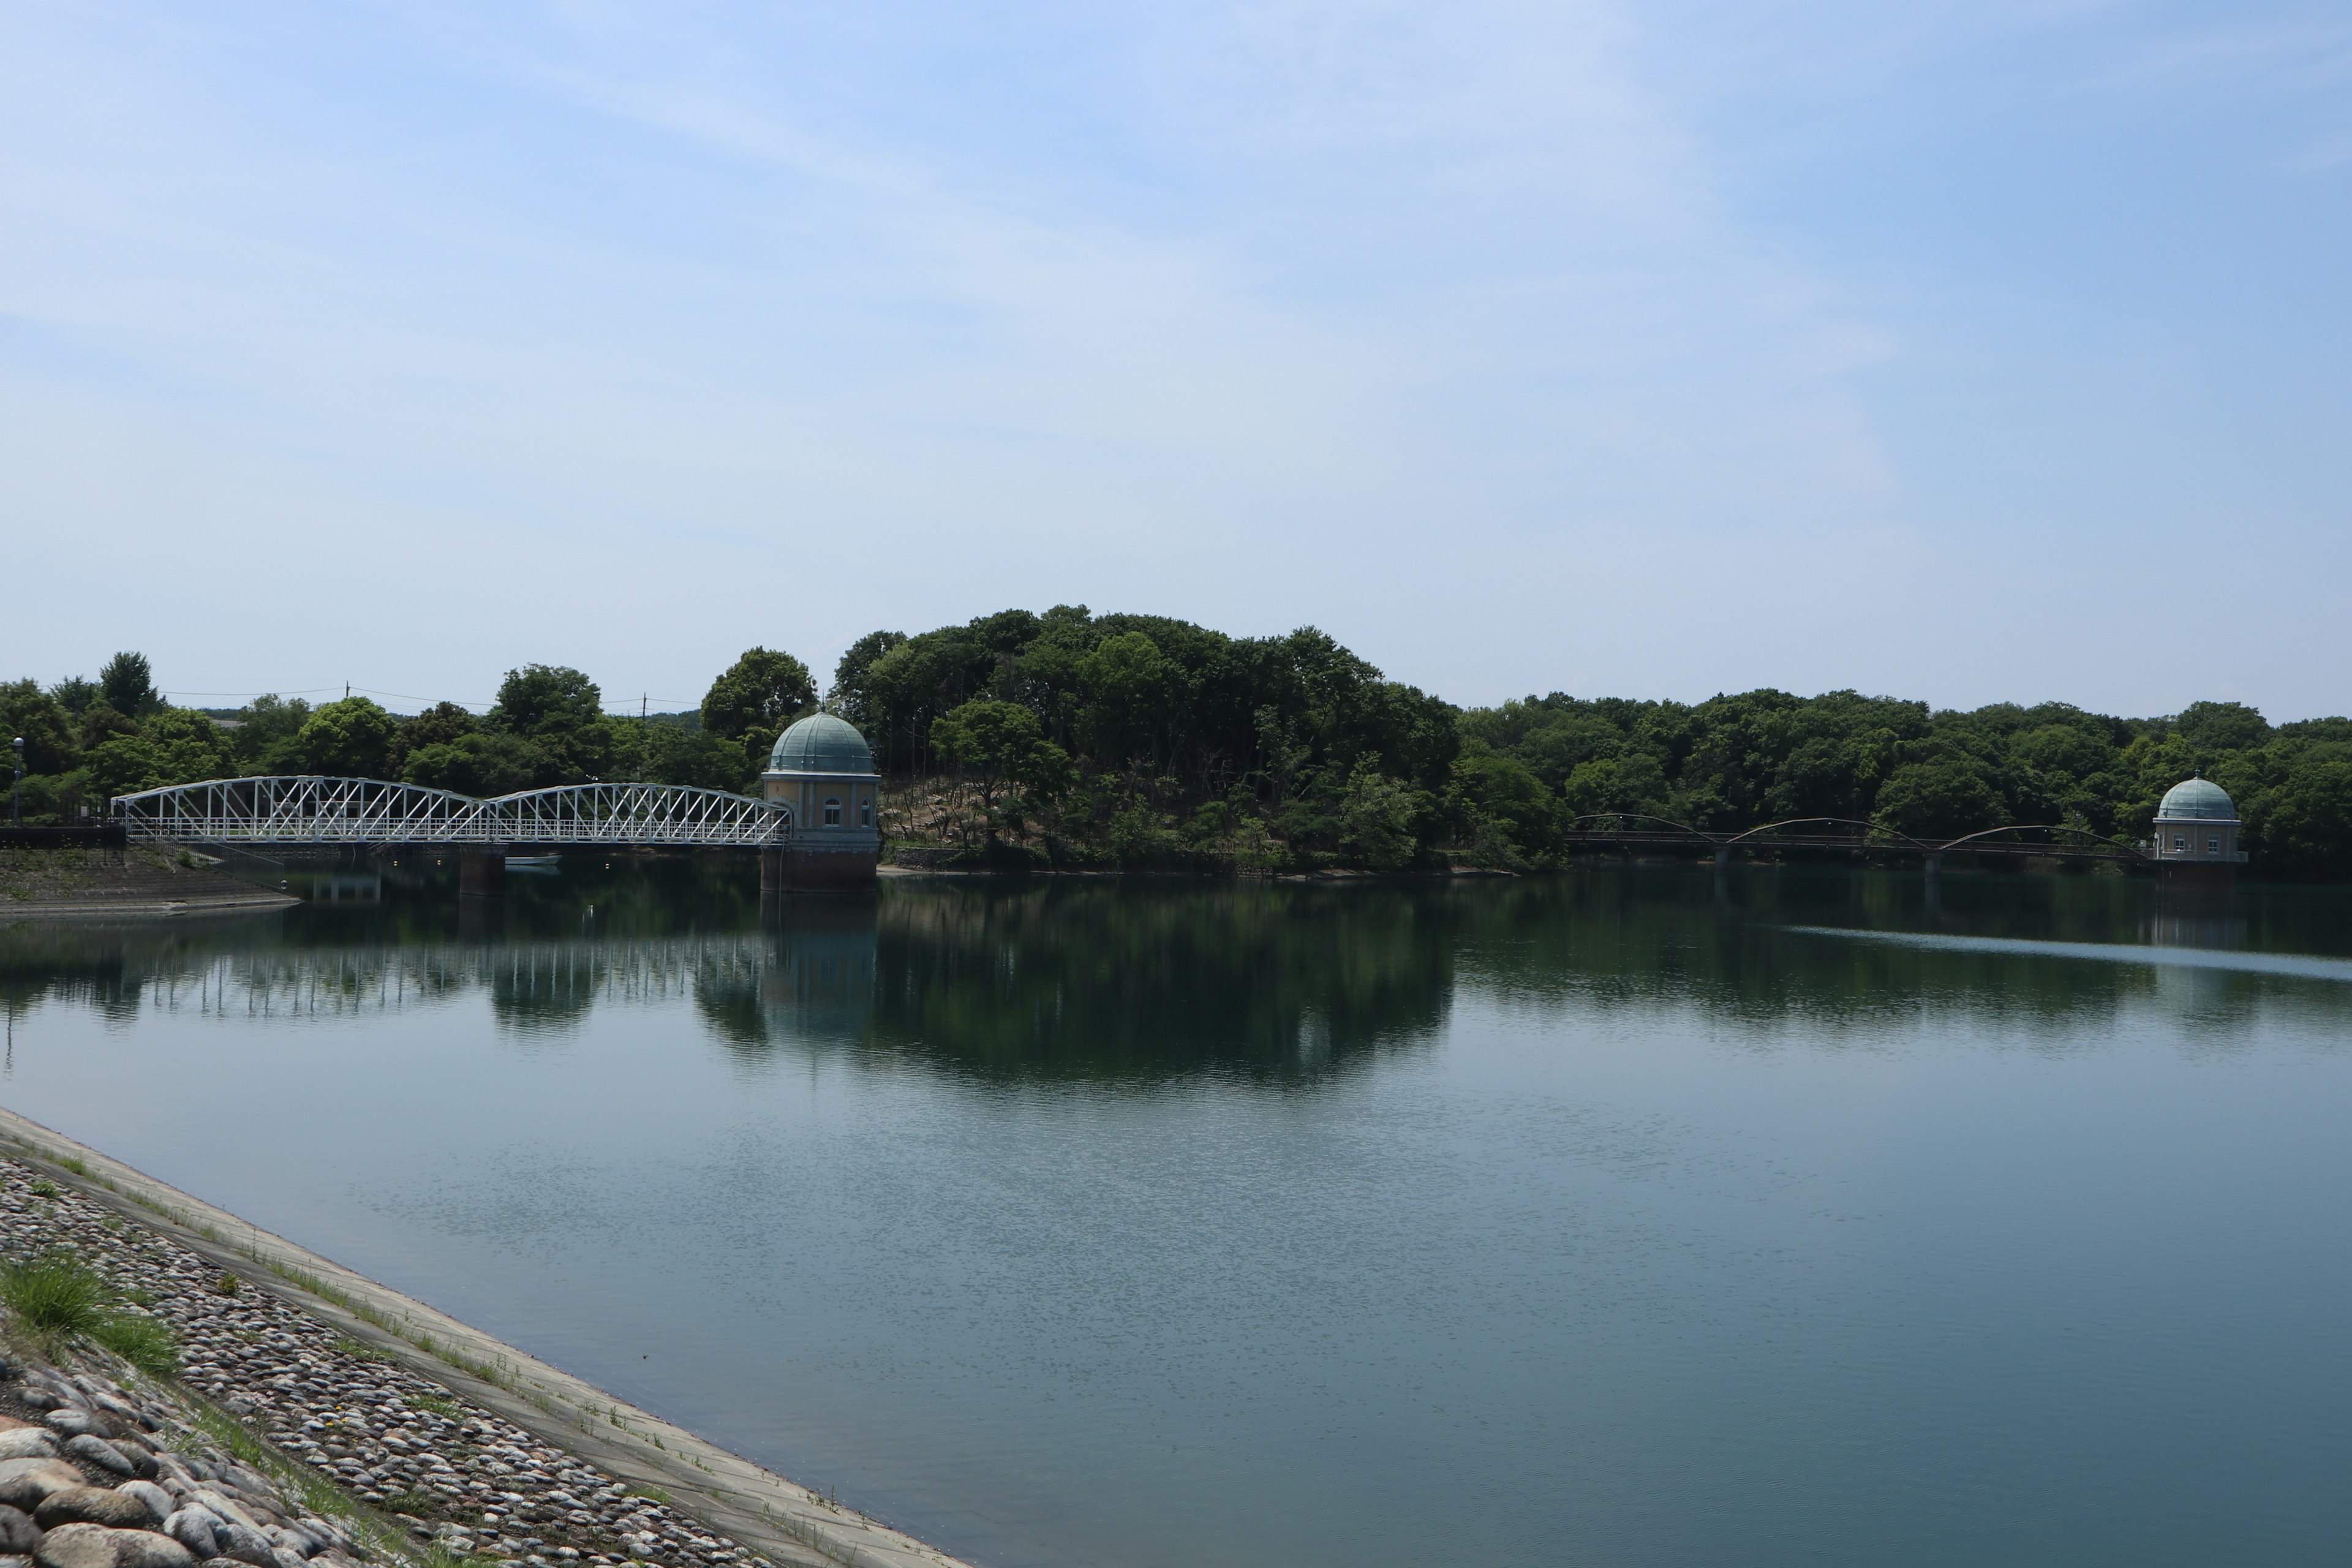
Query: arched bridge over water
x=315 y=810
x=1627 y=833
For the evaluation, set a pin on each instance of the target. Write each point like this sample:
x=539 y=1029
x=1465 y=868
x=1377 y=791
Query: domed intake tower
x=821 y=772
x=2195 y=833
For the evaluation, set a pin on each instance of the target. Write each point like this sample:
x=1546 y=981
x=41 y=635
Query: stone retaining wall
x=472 y=1444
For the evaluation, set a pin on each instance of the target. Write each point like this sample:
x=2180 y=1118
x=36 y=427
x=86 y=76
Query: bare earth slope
x=141 y=879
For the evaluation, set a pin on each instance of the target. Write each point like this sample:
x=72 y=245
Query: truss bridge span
x=315 y=810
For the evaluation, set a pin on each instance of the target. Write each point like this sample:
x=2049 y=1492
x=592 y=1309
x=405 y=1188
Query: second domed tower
x=2195 y=833
x=821 y=773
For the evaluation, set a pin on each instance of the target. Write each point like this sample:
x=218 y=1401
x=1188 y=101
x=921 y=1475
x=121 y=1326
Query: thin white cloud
x=1256 y=312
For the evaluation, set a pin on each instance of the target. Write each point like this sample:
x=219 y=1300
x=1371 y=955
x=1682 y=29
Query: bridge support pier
x=1722 y=856
x=772 y=870
x=482 y=872
x=1935 y=864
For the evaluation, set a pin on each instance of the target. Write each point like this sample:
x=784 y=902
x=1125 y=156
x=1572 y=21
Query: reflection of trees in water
x=537 y=952
x=1094 y=980
x=107 y=966
x=814 y=982
x=1644 y=940
x=1079 y=980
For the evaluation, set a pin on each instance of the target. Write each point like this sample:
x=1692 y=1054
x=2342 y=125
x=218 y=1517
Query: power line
x=644 y=701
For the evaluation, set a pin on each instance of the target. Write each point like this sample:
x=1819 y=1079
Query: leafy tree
x=435 y=726
x=263 y=741
x=442 y=722
x=1501 y=810
x=696 y=757
x=349 y=739
x=2065 y=749
x=759 y=695
x=1939 y=801
x=850 y=695
x=483 y=764
x=124 y=764
x=44 y=723
x=1633 y=783
x=1823 y=778
x=75 y=694
x=175 y=746
x=547 y=698
x=2216 y=726
x=1001 y=745
x=2306 y=824
x=127 y=685
x=101 y=721
x=561 y=712
x=1375 y=819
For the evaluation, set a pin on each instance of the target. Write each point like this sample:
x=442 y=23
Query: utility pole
x=645 y=700
x=17 y=790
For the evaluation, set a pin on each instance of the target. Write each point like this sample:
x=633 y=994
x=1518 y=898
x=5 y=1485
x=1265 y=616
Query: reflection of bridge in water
x=822 y=977
x=566 y=973
x=1077 y=983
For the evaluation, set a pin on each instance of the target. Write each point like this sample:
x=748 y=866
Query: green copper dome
x=821 y=744
x=2198 y=799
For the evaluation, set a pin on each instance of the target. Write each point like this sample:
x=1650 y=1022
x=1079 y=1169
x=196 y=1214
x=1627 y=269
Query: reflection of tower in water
x=2202 y=917
x=818 y=983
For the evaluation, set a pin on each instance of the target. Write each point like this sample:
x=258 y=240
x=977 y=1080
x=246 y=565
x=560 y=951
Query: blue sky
x=1966 y=352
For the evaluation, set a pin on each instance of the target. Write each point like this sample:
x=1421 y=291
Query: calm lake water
x=1629 y=1218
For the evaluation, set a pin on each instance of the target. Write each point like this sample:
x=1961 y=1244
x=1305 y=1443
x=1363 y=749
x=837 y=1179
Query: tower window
x=832 y=811
x=2213 y=844
x=865 y=814
x=2180 y=841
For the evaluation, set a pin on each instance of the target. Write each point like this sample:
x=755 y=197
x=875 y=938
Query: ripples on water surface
x=1640 y=1217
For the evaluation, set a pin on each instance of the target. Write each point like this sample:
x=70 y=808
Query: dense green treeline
x=1736 y=762
x=88 y=741
x=1074 y=738
x=1137 y=739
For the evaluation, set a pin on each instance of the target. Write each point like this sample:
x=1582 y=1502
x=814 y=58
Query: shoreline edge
x=776 y=1517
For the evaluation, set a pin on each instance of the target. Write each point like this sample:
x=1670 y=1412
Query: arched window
x=865 y=814
x=832 y=811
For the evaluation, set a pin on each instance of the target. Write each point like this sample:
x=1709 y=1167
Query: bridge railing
x=636 y=814
x=317 y=810
x=302 y=810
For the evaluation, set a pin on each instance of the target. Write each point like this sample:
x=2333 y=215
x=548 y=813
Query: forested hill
x=1141 y=740
x=1145 y=735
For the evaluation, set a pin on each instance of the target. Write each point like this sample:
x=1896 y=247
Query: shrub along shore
x=1118 y=740
x=267 y=1408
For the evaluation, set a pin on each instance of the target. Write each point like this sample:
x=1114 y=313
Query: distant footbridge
x=1630 y=832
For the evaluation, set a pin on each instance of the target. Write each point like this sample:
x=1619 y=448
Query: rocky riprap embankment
x=415 y=1455
x=102 y=1481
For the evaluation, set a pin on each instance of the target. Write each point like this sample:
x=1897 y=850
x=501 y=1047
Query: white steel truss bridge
x=313 y=810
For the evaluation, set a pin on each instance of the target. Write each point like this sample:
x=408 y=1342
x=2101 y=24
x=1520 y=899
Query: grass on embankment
x=59 y=1299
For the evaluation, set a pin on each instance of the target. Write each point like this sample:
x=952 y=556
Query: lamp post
x=17 y=789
